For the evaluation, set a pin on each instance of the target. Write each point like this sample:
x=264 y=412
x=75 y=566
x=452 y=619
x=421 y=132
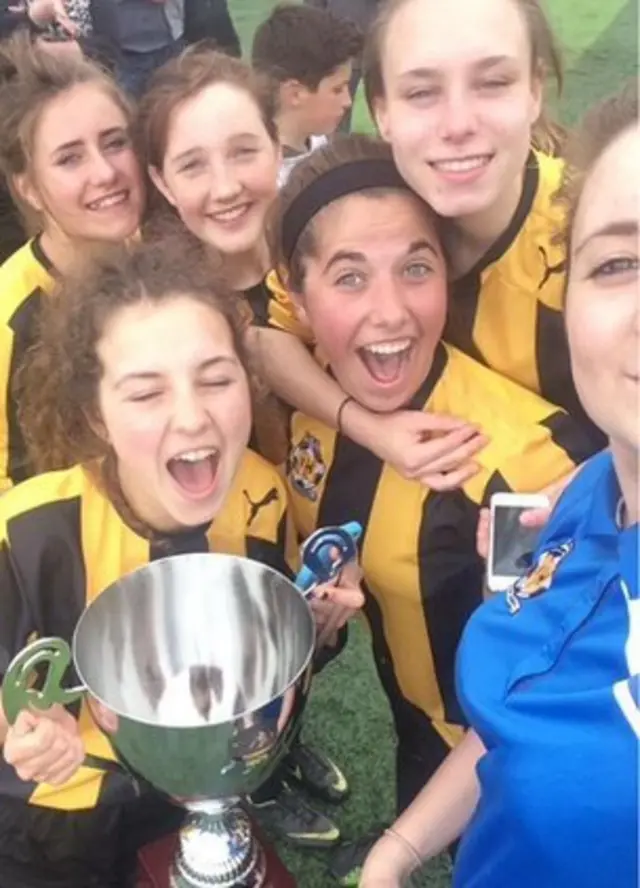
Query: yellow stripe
x=283 y=314
x=78 y=794
x=20 y=276
x=506 y=323
x=385 y=555
x=111 y=549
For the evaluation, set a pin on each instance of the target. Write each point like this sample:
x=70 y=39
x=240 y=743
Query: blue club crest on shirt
x=539 y=578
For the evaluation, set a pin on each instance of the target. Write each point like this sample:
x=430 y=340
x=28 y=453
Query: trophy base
x=214 y=849
x=254 y=877
x=156 y=861
x=218 y=850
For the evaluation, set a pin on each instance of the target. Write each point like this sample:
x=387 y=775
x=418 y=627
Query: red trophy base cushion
x=154 y=862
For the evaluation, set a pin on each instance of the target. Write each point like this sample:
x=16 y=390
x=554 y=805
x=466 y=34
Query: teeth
x=463 y=165
x=388 y=348
x=230 y=215
x=111 y=200
x=192 y=456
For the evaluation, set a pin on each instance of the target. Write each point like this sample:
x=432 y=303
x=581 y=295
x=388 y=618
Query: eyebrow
x=422 y=244
x=349 y=256
x=235 y=137
x=493 y=61
x=344 y=256
x=150 y=375
x=622 y=228
x=186 y=155
x=77 y=143
x=424 y=73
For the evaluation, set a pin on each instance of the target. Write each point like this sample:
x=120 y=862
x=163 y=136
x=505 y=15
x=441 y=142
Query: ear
x=158 y=180
x=298 y=303
x=381 y=117
x=292 y=94
x=27 y=192
x=96 y=424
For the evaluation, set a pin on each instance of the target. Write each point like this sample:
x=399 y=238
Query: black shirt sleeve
x=16 y=621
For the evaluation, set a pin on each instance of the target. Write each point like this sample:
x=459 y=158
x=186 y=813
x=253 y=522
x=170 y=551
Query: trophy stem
x=218 y=850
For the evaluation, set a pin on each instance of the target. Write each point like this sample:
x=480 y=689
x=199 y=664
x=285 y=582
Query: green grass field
x=348 y=716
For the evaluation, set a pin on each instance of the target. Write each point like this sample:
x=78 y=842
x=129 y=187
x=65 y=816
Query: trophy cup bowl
x=202 y=663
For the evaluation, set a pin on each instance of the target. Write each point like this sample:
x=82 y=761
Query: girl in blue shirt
x=545 y=785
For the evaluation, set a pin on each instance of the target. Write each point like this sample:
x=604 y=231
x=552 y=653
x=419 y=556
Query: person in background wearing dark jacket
x=147 y=33
x=211 y=20
x=361 y=13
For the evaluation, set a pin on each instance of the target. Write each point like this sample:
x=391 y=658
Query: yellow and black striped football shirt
x=63 y=542
x=24 y=278
x=507 y=311
x=422 y=573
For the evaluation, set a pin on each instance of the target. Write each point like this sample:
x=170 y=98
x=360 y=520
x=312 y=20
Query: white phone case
x=501 y=582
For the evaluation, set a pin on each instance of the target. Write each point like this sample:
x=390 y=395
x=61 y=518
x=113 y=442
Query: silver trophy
x=198 y=667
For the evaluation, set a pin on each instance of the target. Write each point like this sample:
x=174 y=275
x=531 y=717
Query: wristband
x=407 y=845
x=341 y=411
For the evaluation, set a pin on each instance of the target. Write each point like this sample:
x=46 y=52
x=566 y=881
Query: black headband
x=358 y=175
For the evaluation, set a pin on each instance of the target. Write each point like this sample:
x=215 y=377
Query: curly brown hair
x=340 y=151
x=57 y=386
x=30 y=78
x=601 y=126
x=546 y=63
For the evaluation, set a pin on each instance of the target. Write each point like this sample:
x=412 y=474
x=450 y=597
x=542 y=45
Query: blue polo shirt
x=548 y=677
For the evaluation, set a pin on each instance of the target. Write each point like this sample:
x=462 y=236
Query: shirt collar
x=602 y=520
x=604 y=504
x=41 y=257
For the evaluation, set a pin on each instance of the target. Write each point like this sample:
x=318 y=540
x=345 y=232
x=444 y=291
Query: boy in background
x=362 y=14
x=308 y=54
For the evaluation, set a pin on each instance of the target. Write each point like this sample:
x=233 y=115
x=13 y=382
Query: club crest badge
x=306 y=467
x=539 y=578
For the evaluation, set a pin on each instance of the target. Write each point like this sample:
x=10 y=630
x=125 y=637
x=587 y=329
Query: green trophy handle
x=18 y=692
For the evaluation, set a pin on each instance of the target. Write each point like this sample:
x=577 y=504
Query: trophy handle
x=18 y=692
x=325 y=553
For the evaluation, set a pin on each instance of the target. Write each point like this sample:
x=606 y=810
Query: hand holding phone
x=510 y=542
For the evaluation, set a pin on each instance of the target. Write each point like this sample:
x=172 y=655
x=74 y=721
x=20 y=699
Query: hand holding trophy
x=44 y=746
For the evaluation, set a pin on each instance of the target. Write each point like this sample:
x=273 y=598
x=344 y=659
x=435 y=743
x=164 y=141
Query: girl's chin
x=182 y=520
x=178 y=512
x=243 y=240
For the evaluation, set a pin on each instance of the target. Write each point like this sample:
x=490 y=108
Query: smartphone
x=510 y=543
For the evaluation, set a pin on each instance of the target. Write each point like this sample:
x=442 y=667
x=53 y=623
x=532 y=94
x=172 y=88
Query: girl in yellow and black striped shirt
x=140 y=385
x=66 y=152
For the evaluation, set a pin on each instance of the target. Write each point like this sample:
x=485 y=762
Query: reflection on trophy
x=197 y=667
